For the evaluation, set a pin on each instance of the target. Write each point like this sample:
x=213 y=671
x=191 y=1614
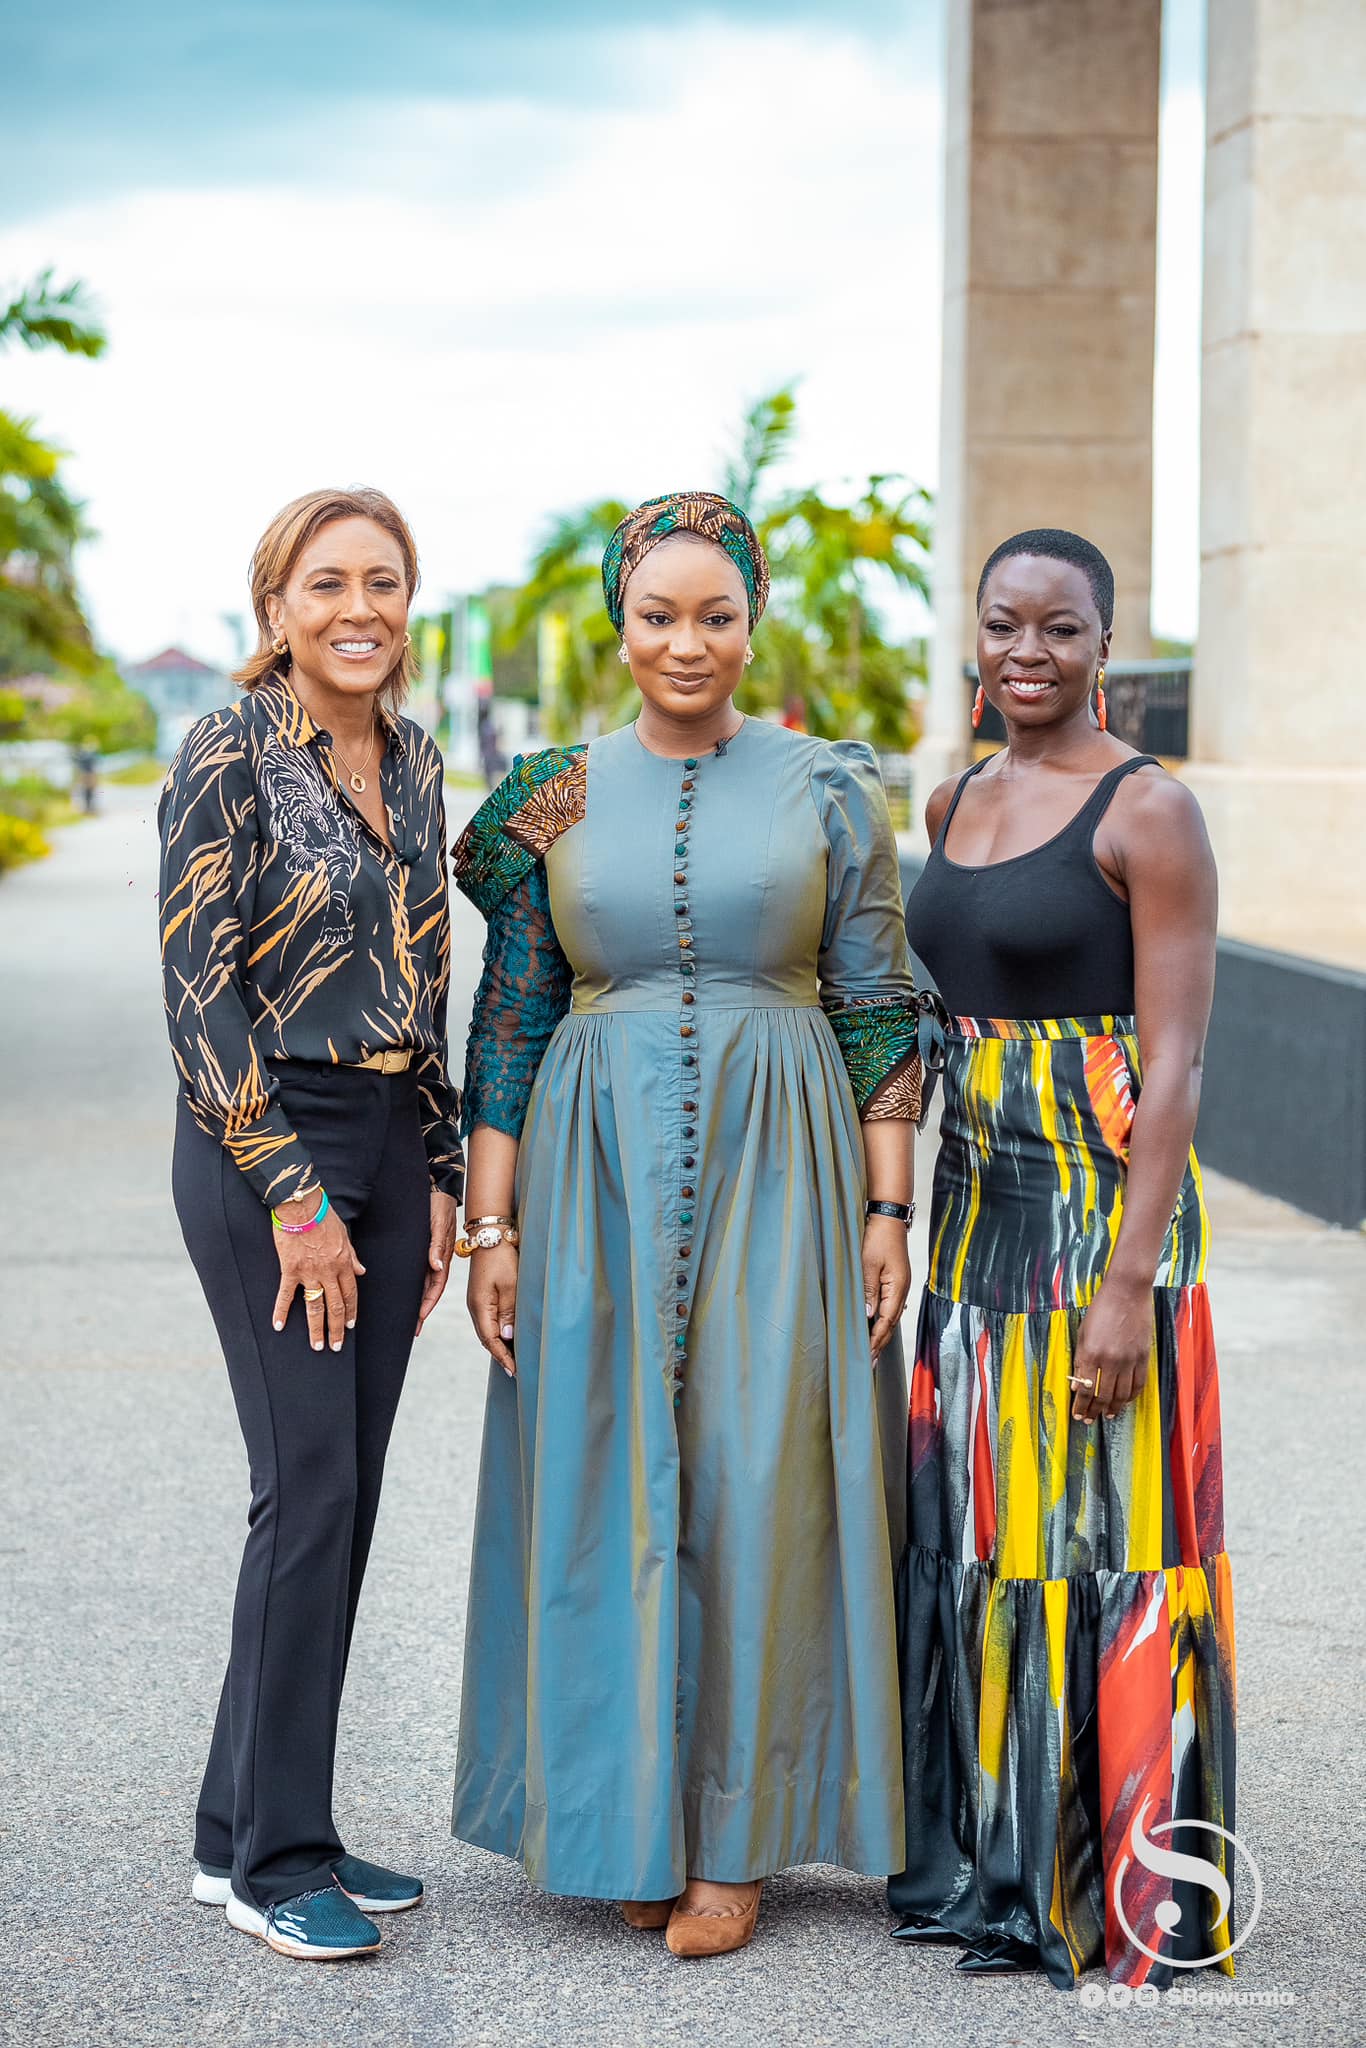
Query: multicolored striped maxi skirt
x=1064 y=1603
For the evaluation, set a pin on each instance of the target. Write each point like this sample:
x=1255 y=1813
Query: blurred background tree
x=42 y=624
x=825 y=659
x=561 y=600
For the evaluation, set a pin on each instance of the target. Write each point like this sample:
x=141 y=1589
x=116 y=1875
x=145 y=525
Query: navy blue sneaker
x=316 y=1927
x=375 y=1889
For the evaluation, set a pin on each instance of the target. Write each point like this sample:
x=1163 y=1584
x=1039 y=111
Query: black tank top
x=1039 y=935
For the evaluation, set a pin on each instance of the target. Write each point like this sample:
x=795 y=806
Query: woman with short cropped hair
x=1066 y=1609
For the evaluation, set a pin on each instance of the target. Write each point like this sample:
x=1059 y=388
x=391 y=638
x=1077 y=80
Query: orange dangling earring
x=979 y=705
x=1102 y=717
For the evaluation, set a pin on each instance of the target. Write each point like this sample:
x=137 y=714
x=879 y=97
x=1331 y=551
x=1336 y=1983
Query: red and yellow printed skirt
x=1064 y=1602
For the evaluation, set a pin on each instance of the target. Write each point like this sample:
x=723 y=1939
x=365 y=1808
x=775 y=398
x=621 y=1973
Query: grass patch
x=30 y=806
x=137 y=774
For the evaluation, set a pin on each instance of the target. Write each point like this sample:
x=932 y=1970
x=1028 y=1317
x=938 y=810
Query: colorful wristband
x=297 y=1229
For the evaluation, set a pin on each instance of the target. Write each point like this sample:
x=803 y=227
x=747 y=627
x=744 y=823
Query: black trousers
x=317 y=1426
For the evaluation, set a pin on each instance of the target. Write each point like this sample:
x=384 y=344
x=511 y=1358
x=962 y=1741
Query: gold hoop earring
x=749 y=656
x=622 y=656
x=279 y=645
x=407 y=639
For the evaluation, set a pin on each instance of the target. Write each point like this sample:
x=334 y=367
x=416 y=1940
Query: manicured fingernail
x=351 y=1324
x=510 y=1373
x=318 y=1345
x=867 y=1308
x=439 y=1264
x=279 y=1326
x=337 y=1345
x=506 y=1333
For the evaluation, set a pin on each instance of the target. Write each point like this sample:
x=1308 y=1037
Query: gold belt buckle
x=394 y=1060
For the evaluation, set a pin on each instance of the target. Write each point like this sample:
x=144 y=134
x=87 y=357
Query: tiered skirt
x=1064 y=1601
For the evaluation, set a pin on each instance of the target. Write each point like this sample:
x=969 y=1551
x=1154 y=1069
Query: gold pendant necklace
x=353 y=775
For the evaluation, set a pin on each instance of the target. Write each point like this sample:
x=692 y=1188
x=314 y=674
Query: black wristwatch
x=904 y=1212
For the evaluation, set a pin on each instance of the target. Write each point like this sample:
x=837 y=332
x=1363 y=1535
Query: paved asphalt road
x=123 y=1495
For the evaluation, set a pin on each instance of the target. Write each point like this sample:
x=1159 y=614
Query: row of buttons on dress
x=687 y=967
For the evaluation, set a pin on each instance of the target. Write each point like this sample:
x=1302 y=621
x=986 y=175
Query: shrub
x=20 y=840
x=32 y=797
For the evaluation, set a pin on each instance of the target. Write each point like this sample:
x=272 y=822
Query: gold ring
x=1096 y=1383
x=314 y=1293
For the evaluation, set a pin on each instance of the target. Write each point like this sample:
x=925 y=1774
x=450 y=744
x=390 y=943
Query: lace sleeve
x=867 y=989
x=522 y=995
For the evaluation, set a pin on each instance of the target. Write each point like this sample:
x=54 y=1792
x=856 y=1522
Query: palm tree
x=41 y=620
x=823 y=655
x=765 y=436
x=582 y=685
x=40 y=317
x=828 y=561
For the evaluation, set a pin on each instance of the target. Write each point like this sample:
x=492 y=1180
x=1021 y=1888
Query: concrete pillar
x=1279 y=718
x=1050 y=245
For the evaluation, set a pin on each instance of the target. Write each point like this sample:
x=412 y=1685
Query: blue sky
x=497 y=259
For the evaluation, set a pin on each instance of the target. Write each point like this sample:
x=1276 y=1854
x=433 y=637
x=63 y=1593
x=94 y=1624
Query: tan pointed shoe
x=646 y=1912
x=712 y=1934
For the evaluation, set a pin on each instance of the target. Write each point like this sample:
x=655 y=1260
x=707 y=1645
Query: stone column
x=1279 y=712
x=1050 y=249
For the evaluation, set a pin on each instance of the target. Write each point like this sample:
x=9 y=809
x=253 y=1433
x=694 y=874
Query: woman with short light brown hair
x=306 y=948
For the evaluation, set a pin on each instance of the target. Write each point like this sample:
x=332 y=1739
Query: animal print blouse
x=291 y=931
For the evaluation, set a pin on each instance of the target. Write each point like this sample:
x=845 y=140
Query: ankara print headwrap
x=700 y=512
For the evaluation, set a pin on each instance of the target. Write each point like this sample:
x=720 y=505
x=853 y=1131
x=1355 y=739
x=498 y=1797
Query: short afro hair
x=1055 y=544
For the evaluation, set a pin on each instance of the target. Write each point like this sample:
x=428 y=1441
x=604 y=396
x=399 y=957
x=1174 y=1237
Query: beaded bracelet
x=297 y=1229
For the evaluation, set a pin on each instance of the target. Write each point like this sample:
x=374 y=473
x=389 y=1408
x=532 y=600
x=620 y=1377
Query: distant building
x=179 y=690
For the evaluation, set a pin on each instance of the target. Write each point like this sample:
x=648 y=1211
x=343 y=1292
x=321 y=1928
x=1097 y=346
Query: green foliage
x=838 y=668
x=42 y=624
x=823 y=657
x=562 y=602
x=766 y=435
x=35 y=798
x=39 y=317
x=28 y=804
x=104 y=714
x=137 y=774
x=13 y=712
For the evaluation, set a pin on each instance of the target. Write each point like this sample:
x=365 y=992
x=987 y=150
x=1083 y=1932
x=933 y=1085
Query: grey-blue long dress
x=680 y=1655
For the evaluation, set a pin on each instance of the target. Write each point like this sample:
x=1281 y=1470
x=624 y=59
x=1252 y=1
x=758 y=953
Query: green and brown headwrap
x=704 y=513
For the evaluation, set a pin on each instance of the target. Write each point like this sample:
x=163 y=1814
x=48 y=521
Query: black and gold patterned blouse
x=290 y=930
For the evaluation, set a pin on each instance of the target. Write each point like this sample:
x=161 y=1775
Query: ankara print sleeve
x=209 y=855
x=867 y=990
x=522 y=995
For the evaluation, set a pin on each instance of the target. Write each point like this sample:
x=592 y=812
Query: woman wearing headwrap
x=692 y=1062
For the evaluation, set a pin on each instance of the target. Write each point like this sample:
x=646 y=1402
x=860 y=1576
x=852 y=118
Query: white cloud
x=530 y=309
x=523 y=308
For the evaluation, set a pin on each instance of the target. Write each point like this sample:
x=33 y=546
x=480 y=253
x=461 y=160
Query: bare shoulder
x=1152 y=803
x=937 y=804
x=1158 y=844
